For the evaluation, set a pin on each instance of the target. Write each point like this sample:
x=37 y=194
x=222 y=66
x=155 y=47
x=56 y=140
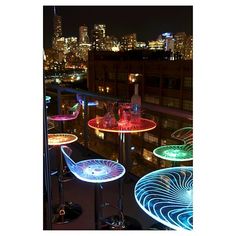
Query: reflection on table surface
x=166 y=196
x=143 y=125
x=61 y=138
x=98 y=170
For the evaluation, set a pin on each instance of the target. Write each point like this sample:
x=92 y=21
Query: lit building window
x=187 y=105
x=152 y=99
x=150 y=138
x=107 y=89
x=188 y=82
x=147 y=155
x=100 y=89
x=171 y=102
x=134 y=77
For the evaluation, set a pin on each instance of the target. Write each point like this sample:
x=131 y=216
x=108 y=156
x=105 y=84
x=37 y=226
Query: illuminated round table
x=177 y=153
x=166 y=196
x=66 y=117
x=124 y=148
x=65 y=211
x=174 y=153
x=124 y=134
x=98 y=171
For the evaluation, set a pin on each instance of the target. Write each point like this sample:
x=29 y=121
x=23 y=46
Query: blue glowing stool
x=96 y=171
x=166 y=196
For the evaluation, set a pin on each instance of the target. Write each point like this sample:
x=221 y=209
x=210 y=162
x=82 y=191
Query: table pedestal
x=115 y=223
x=124 y=150
x=121 y=221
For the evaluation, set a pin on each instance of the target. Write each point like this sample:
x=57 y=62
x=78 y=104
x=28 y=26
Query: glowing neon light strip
x=166 y=196
x=174 y=153
x=98 y=170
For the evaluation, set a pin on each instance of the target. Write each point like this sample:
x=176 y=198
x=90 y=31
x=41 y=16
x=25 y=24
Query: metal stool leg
x=64 y=211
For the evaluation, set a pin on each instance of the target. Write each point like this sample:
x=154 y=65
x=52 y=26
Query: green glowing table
x=174 y=152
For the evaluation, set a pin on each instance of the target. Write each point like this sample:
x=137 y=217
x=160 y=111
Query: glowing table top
x=98 y=170
x=66 y=117
x=174 y=153
x=61 y=138
x=143 y=126
x=166 y=196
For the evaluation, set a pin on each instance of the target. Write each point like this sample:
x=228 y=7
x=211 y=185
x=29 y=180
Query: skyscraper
x=180 y=39
x=98 y=35
x=128 y=42
x=57 y=30
x=57 y=25
x=83 y=34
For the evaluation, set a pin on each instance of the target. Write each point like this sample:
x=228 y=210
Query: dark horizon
x=148 y=22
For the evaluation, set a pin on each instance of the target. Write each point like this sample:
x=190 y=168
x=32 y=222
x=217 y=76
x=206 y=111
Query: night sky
x=147 y=21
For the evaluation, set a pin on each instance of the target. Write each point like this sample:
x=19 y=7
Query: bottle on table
x=136 y=105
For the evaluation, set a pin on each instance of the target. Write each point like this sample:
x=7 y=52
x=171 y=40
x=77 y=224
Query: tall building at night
x=188 y=55
x=84 y=45
x=169 y=41
x=128 y=42
x=57 y=29
x=83 y=34
x=180 y=39
x=98 y=35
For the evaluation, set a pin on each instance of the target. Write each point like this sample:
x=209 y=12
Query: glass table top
x=166 y=196
x=61 y=138
x=144 y=125
x=174 y=153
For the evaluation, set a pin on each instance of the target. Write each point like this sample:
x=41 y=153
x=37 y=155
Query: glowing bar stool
x=178 y=153
x=166 y=196
x=64 y=211
x=96 y=171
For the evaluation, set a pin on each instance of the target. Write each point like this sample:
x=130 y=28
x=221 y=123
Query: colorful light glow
x=65 y=117
x=81 y=101
x=174 y=153
x=61 y=138
x=48 y=98
x=143 y=126
x=90 y=103
x=166 y=196
x=97 y=170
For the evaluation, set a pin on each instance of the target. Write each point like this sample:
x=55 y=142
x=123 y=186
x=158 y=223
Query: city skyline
x=146 y=21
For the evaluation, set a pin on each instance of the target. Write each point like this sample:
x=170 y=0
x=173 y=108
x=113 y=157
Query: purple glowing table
x=124 y=134
x=166 y=196
x=64 y=211
x=75 y=110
